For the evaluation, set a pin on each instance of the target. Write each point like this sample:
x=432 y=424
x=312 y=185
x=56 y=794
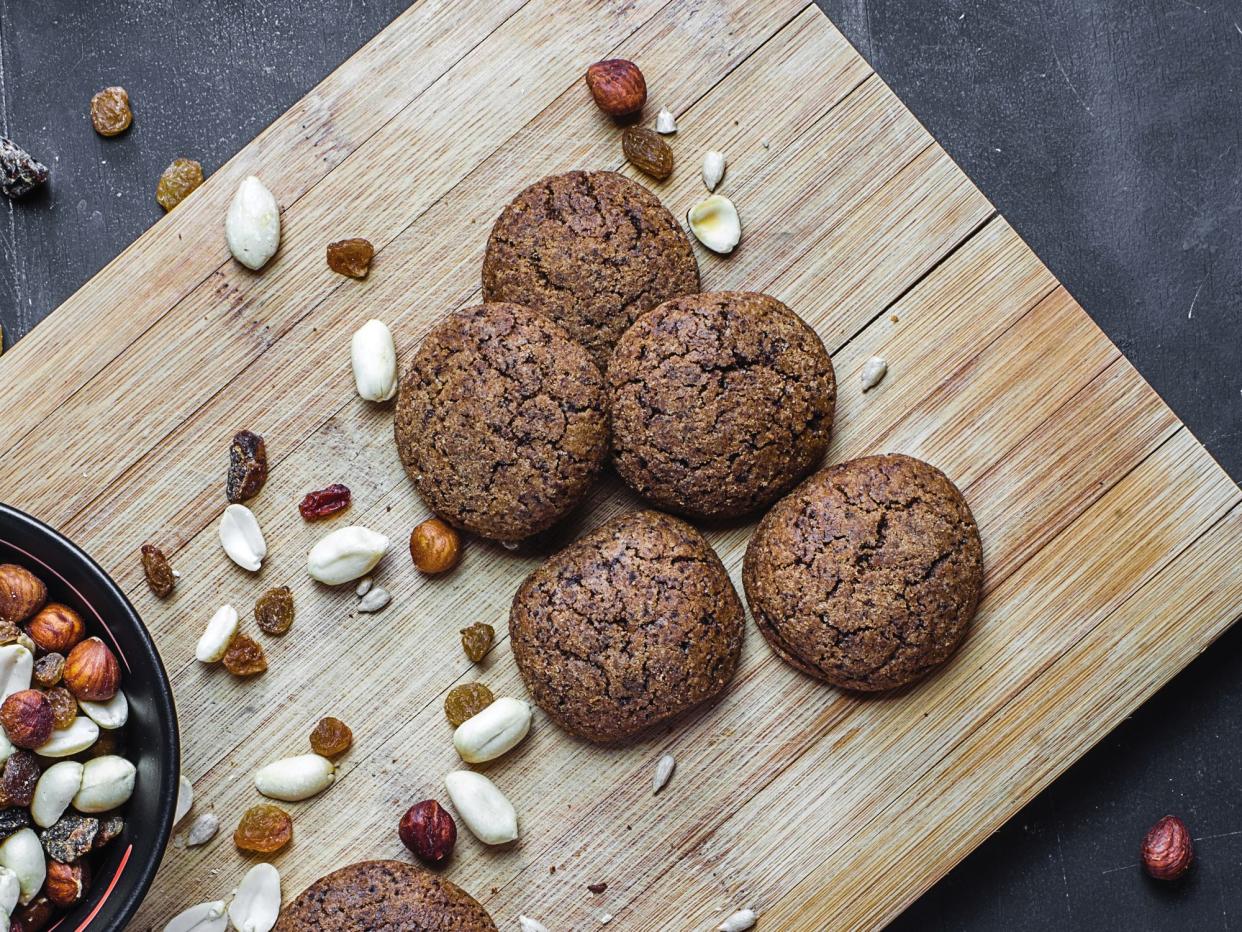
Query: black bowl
x=124 y=869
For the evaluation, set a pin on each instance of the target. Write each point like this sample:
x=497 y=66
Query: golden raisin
x=466 y=701
x=110 y=113
x=351 y=257
x=64 y=706
x=274 y=610
x=48 y=670
x=264 y=829
x=159 y=574
x=180 y=178
x=647 y=152
x=331 y=737
x=245 y=657
x=477 y=640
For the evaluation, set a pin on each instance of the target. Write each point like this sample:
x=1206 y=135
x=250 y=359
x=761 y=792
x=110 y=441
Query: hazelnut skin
x=57 y=628
x=618 y=86
x=92 y=672
x=1167 y=851
x=429 y=832
x=435 y=547
x=27 y=718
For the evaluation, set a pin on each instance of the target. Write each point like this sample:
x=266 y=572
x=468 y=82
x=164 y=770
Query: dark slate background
x=1106 y=131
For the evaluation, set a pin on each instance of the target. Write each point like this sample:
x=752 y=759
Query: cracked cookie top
x=631 y=625
x=593 y=251
x=867 y=574
x=501 y=421
x=720 y=403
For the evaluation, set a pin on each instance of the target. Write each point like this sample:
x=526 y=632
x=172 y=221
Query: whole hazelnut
x=57 y=628
x=429 y=832
x=618 y=87
x=21 y=593
x=92 y=672
x=67 y=884
x=27 y=718
x=1167 y=851
x=34 y=916
x=435 y=547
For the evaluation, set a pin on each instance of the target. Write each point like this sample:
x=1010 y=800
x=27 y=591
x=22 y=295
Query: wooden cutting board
x=1111 y=537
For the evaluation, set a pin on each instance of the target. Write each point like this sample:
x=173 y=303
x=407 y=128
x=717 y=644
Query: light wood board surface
x=1110 y=536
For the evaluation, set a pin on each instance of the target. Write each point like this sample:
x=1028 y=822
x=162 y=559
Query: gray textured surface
x=1106 y=131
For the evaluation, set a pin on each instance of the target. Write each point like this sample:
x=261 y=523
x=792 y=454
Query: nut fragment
x=873 y=372
x=428 y=831
x=713 y=168
x=351 y=257
x=247 y=466
x=492 y=732
x=205 y=917
x=375 y=600
x=295 y=778
x=647 y=152
x=27 y=718
x=526 y=924
x=241 y=538
x=65 y=742
x=663 y=772
x=1167 y=850
x=618 y=86
x=158 y=572
x=56 y=628
x=109 y=829
x=176 y=183
x=110 y=715
x=203 y=830
x=665 y=121
x=54 y=791
x=22 y=853
x=345 y=554
x=92 y=671
x=374 y=358
x=490 y=817
x=256 y=904
x=107 y=782
x=67 y=884
x=252 y=225
x=435 y=547
x=364 y=586
x=715 y=223
x=738 y=922
x=22 y=593
x=218 y=635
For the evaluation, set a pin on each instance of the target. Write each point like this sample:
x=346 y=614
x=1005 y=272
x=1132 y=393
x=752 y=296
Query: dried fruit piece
x=49 y=669
x=12 y=820
x=20 y=172
x=647 y=152
x=109 y=828
x=466 y=701
x=10 y=633
x=264 y=829
x=428 y=831
x=27 y=718
x=110 y=113
x=618 y=86
x=329 y=501
x=180 y=178
x=33 y=917
x=476 y=640
x=274 y=611
x=435 y=547
x=159 y=573
x=1167 y=850
x=351 y=257
x=245 y=657
x=70 y=838
x=247 y=466
x=17 y=784
x=331 y=737
x=64 y=706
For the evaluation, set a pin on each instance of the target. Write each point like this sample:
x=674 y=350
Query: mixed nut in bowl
x=88 y=739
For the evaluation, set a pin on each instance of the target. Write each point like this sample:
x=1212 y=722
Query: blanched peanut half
x=218 y=635
x=374 y=358
x=490 y=817
x=109 y=715
x=252 y=224
x=492 y=732
x=257 y=901
x=10 y=890
x=295 y=778
x=345 y=554
x=6 y=747
x=65 y=742
x=205 y=917
x=16 y=667
x=241 y=538
x=22 y=853
x=107 y=782
x=54 y=792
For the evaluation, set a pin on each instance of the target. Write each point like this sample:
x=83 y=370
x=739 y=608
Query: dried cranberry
x=325 y=502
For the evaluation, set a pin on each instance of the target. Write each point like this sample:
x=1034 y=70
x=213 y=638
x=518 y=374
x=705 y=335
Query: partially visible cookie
x=631 y=625
x=501 y=421
x=384 y=896
x=721 y=402
x=868 y=574
x=593 y=251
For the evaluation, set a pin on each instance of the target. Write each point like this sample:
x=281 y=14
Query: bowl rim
x=161 y=693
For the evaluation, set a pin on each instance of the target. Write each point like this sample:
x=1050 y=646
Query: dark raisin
x=351 y=257
x=49 y=669
x=17 y=784
x=33 y=917
x=159 y=574
x=70 y=838
x=325 y=502
x=647 y=152
x=247 y=466
x=20 y=172
x=274 y=610
x=109 y=828
x=12 y=820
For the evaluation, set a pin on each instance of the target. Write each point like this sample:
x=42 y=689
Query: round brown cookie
x=593 y=251
x=868 y=573
x=720 y=403
x=501 y=421
x=629 y=626
x=384 y=896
